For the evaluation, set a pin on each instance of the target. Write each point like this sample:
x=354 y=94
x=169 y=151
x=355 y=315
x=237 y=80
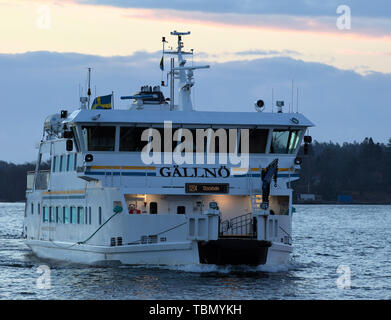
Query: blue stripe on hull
x=62 y=197
x=98 y=173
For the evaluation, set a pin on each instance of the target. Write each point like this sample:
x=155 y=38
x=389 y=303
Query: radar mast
x=184 y=75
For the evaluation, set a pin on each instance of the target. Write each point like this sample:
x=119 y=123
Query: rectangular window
x=258 y=140
x=63 y=163
x=153 y=208
x=130 y=139
x=45 y=215
x=80 y=215
x=284 y=141
x=32 y=208
x=60 y=163
x=58 y=215
x=99 y=138
x=39 y=208
x=73 y=215
x=100 y=215
x=70 y=162
x=54 y=164
x=293 y=140
x=75 y=162
x=65 y=212
x=86 y=216
x=51 y=214
x=181 y=210
x=89 y=215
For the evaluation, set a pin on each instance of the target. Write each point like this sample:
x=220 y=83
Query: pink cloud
x=366 y=28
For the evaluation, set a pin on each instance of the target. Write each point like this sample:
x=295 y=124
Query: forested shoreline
x=361 y=171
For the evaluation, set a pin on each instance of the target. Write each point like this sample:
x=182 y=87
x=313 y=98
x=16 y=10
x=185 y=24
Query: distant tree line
x=13 y=181
x=361 y=170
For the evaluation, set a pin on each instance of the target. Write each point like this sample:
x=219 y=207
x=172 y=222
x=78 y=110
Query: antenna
x=272 y=99
x=172 y=84
x=297 y=101
x=292 y=98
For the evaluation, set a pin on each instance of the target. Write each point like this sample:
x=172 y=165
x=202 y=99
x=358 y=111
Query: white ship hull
x=149 y=254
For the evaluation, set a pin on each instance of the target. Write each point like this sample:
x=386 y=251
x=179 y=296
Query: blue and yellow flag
x=103 y=102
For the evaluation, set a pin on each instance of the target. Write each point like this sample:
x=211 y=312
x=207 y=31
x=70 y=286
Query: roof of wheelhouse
x=194 y=117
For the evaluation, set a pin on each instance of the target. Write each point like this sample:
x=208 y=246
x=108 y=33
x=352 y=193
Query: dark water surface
x=325 y=237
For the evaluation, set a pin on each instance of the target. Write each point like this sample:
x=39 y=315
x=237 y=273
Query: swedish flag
x=103 y=102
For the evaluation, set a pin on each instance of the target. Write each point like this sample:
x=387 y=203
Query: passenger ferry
x=163 y=184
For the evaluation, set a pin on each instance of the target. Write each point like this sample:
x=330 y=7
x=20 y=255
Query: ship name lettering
x=194 y=172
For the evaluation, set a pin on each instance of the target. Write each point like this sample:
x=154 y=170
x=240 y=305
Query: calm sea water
x=325 y=237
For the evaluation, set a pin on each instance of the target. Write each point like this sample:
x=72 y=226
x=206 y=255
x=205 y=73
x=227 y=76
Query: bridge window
x=258 y=140
x=100 y=215
x=130 y=139
x=284 y=141
x=100 y=138
x=32 y=208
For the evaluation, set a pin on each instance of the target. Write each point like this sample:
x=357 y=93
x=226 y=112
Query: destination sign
x=207 y=187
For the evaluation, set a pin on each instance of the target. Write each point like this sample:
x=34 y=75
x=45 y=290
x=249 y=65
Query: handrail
x=242 y=223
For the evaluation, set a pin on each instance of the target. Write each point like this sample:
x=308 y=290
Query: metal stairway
x=255 y=195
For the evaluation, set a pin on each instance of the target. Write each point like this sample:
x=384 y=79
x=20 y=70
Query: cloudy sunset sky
x=253 y=46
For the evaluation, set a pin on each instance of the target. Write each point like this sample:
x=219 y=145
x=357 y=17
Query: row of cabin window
x=65 y=162
x=102 y=138
x=153 y=208
x=67 y=215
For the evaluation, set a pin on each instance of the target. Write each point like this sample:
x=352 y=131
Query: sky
x=338 y=54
